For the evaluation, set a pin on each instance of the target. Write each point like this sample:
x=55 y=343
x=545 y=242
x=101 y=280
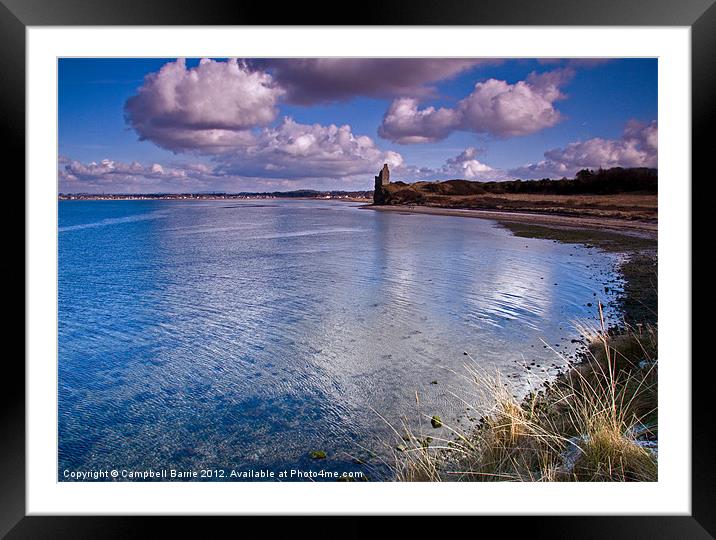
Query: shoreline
x=508 y=443
x=570 y=428
x=583 y=442
x=628 y=227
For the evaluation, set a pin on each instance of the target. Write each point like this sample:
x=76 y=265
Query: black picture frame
x=16 y=15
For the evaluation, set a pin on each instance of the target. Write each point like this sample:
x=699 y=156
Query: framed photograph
x=433 y=262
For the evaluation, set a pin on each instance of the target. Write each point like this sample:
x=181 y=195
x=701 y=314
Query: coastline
x=595 y=421
x=617 y=237
x=633 y=227
x=560 y=432
x=565 y=429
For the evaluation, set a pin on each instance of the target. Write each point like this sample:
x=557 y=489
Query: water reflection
x=247 y=335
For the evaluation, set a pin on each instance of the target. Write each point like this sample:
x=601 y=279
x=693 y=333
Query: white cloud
x=212 y=107
x=508 y=110
x=275 y=157
x=494 y=107
x=332 y=157
x=466 y=166
x=404 y=123
x=208 y=108
x=222 y=109
x=75 y=170
x=115 y=176
x=636 y=148
x=293 y=150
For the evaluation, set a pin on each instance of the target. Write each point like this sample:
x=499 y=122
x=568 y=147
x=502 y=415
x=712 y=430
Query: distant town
x=300 y=194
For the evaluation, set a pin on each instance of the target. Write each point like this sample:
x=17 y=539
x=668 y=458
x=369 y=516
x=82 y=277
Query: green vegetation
x=614 y=193
x=318 y=454
x=587 y=182
x=600 y=182
x=606 y=240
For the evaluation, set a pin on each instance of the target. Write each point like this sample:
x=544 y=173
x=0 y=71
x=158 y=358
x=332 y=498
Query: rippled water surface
x=243 y=335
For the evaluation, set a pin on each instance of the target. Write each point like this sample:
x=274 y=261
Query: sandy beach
x=641 y=228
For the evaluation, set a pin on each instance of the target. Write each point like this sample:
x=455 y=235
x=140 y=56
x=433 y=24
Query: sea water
x=243 y=335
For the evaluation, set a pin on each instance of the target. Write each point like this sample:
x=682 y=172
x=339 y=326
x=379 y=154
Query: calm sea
x=244 y=335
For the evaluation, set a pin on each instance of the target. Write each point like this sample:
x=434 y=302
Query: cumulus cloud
x=76 y=170
x=494 y=107
x=636 y=148
x=222 y=109
x=212 y=107
x=507 y=110
x=109 y=175
x=277 y=156
x=404 y=123
x=316 y=80
x=209 y=108
x=466 y=166
x=294 y=150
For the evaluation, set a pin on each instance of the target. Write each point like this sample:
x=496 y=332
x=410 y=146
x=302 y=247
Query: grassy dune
x=629 y=194
x=621 y=206
x=631 y=206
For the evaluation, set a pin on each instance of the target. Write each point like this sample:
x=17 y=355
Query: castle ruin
x=383 y=179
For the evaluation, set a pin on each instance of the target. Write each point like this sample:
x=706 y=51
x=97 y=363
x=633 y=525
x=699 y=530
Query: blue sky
x=149 y=125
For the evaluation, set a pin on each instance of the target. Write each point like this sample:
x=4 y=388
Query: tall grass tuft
x=598 y=421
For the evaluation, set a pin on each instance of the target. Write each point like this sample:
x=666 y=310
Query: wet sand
x=641 y=228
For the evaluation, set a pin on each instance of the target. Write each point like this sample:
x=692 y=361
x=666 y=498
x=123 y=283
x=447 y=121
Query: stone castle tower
x=383 y=179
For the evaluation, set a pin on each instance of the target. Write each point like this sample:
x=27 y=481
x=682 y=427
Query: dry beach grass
x=632 y=206
x=598 y=421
